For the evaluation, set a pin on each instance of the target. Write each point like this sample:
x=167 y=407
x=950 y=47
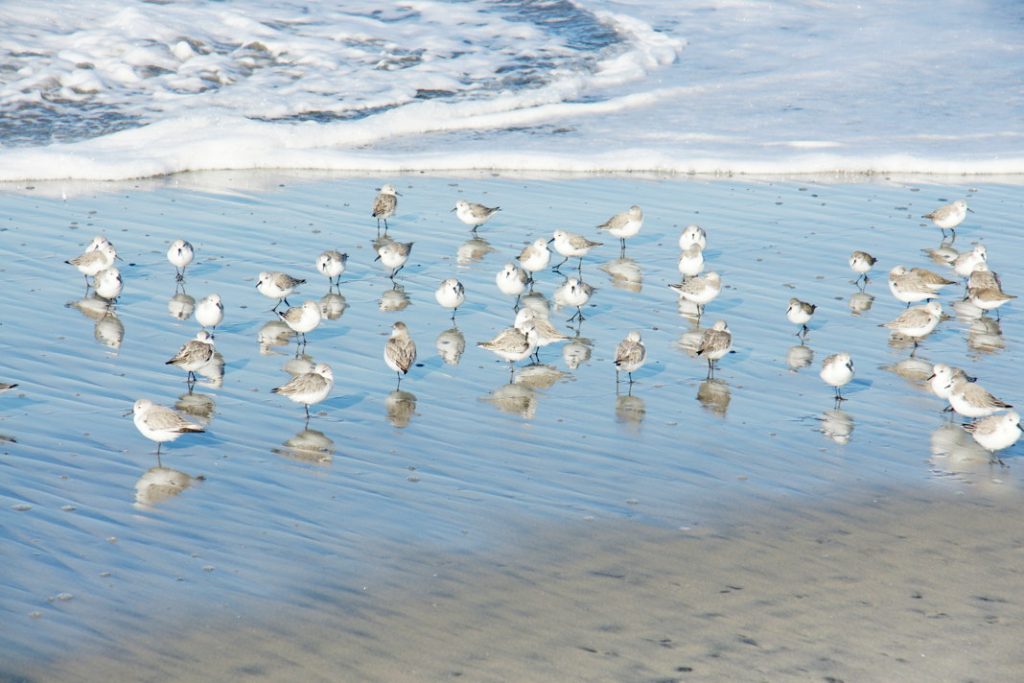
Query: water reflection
x=299 y=365
x=944 y=254
x=799 y=357
x=473 y=250
x=213 y=371
x=108 y=330
x=714 y=395
x=625 y=273
x=181 y=305
x=689 y=310
x=966 y=312
x=577 y=351
x=451 y=344
x=860 y=302
x=201 y=407
x=837 y=425
x=954 y=451
x=538 y=376
x=536 y=302
x=332 y=305
x=630 y=410
x=160 y=483
x=274 y=334
x=400 y=406
x=309 y=445
x=394 y=299
x=517 y=399
x=914 y=370
x=985 y=336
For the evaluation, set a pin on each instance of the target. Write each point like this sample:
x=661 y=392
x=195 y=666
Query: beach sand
x=555 y=528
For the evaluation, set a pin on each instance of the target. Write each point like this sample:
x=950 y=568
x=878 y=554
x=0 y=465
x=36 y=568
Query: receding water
x=457 y=462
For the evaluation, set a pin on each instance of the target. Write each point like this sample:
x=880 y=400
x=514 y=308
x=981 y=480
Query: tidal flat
x=553 y=527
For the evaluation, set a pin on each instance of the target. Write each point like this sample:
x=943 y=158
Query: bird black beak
x=378 y=258
x=129 y=412
x=551 y=240
x=970 y=209
x=453 y=208
x=257 y=285
x=930 y=378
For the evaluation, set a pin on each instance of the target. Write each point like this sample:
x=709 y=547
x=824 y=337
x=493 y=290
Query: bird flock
x=993 y=424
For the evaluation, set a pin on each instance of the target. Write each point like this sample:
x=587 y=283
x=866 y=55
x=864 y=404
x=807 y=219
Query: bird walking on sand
x=194 y=354
x=331 y=265
x=630 y=355
x=861 y=262
x=180 y=254
x=277 y=285
x=308 y=388
x=450 y=294
x=384 y=205
x=570 y=245
x=394 y=255
x=158 y=423
x=302 y=319
x=837 y=371
x=624 y=225
x=949 y=216
x=714 y=344
x=799 y=313
x=473 y=214
x=400 y=350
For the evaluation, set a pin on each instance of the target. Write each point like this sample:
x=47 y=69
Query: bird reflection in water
x=273 y=335
x=517 y=399
x=799 y=357
x=400 y=406
x=158 y=484
x=394 y=299
x=625 y=273
x=630 y=409
x=181 y=306
x=837 y=425
x=309 y=445
x=473 y=250
x=714 y=395
x=451 y=344
x=332 y=305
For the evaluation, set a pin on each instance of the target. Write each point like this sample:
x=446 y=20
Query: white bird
x=948 y=217
x=942 y=378
x=917 y=322
x=308 y=388
x=332 y=264
x=473 y=214
x=987 y=298
x=160 y=424
x=837 y=371
x=400 y=350
x=569 y=244
x=394 y=255
x=544 y=333
x=693 y=234
x=699 y=290
x=630 y=355
x=909 y=287
x=969 y=261
x=996 y=432
x=625 y=225
x=575 y=293
x=180 y=255
x=277 y=285
x=512 y=344
x=450 y=294
x=194 y=354
x=108 y=283
x=799 y=313
x=94 y=260
x=691 y=261
x=302 y=319
x=384 y=205
x=209 y=311
x=534 y=257
x=511 y=280
x=972 y=400
x=715 y=342
x=861 y=262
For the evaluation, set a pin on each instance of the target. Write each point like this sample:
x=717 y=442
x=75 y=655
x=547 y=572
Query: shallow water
x=461 y=464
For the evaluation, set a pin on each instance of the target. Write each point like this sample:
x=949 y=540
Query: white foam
x=720 y=87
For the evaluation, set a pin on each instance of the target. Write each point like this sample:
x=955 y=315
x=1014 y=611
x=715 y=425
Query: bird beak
x=118 y=257
x=551 y=240
x=129 y=412
x=453 y=208
x=257 y=285
x=930 y=378
x=1020 y=426
x=970 y=209
x=378 y=258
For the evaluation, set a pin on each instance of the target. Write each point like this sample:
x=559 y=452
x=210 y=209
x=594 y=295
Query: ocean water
x=259 y=131
x=114 y=90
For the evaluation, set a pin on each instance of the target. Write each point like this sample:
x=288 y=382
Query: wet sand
x=554 y=528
